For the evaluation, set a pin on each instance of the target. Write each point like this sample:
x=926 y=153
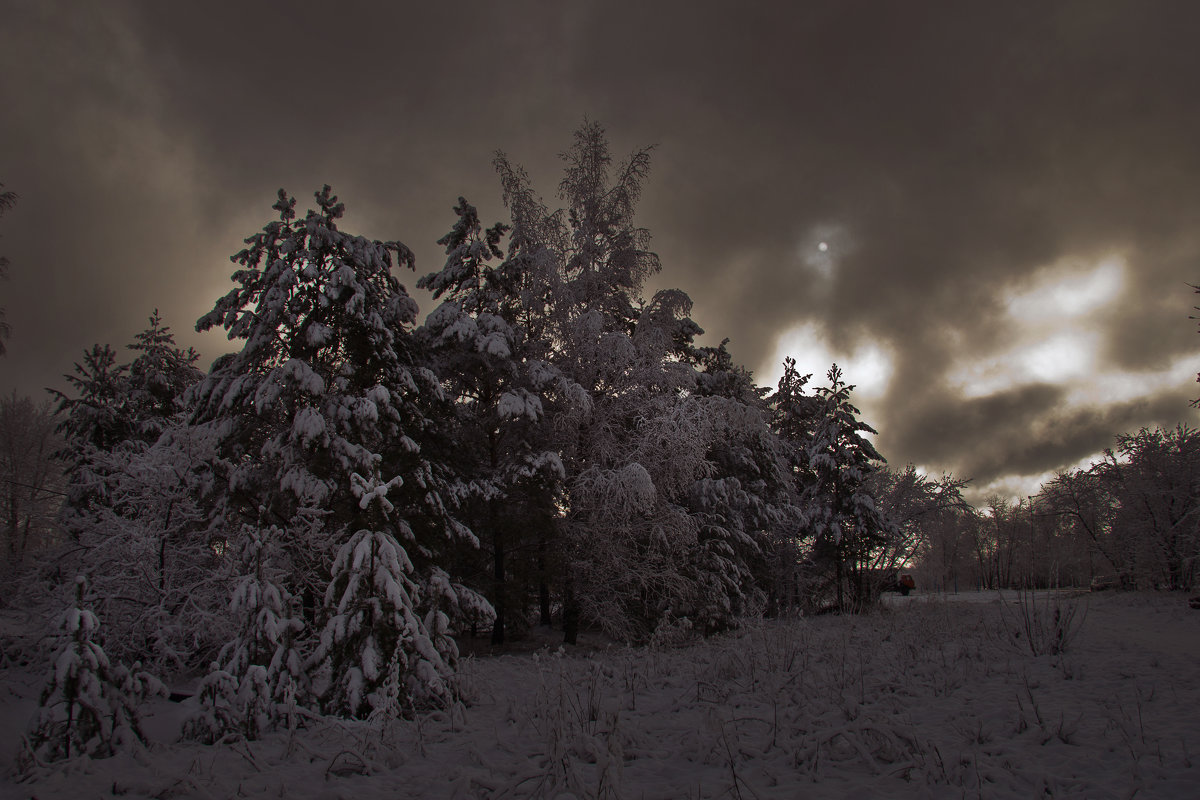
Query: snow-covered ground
x=933 y=696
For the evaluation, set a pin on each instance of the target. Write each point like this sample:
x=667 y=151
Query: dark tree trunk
x=570 y=613
x=498 y=577
x=543 y=582
x=14 y=519
x=498 y=588
x=841 y=602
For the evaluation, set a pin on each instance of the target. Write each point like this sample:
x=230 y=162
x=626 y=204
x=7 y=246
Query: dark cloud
x=967 y=432
x=1024 y=431
x=960 y=148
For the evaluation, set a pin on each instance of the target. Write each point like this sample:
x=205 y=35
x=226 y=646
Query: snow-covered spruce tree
x=325 y=407
x=794 y=416
x=374 y=632
x=491 y=351
x=158 y=377
x=95 y=420
x=842 y=519
x=90 y=704
x=795 y=413
x=111 y=405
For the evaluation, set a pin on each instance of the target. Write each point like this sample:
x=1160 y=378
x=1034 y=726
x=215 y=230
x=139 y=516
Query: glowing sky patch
x=1114 y=386
x=868 y=366
x=1065 y=356
x=1068 y=290
x=1057 y=325
x=1056 y=322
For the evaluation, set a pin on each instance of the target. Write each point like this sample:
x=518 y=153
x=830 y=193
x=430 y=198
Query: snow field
x=925 y=699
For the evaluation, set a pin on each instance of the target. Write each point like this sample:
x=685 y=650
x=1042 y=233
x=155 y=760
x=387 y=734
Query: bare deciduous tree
x=31 y=488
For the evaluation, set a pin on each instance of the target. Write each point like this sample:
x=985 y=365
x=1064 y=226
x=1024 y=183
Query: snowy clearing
x=931 y=696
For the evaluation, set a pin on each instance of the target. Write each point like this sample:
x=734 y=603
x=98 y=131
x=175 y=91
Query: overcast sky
x=987 y=213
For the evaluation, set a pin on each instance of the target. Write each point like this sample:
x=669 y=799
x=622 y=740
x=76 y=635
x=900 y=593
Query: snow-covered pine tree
x=112 y=406
x=491 y=352
x=795 y=413
x=842 y=518
x=325 y=407
x=90 y=704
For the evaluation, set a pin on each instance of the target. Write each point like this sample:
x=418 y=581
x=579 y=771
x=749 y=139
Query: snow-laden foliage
x=90 y=704
x=916 y=506
x=133 y=515
x=749 y=505
x=158 y=376
x=640 y=537
x=632 y=451
x=93 y=421
x=491 y=348
x=842 y=518
x=323 y=417
x=258 y=680
x=742 y=509
x=1138 y=508
x=159 y=578
x=374 y=631
x=110 y=403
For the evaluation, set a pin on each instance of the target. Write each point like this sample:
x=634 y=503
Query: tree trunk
x=498 y=578
x=838 y=572
x=14 y=522
x=570 y=613
x=498 y=588
x=543 y=581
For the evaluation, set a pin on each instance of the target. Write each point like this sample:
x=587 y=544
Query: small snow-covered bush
x=259 y=680
x=672 y=632
x=89 y=705
x=218 y=714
